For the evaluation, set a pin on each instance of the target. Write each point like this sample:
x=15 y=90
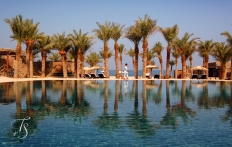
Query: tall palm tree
x=131 y=53
x=43 y=46
x=93 y=59
x=222 y=53
x=147 y=27
x=135 y=36
x=88 y=42
x=63 y=44
x=17 y=27
x=169 y=35
x=176 y=55
x=184 y=45
x=121 y=50
x=116 y=34
x=157 y=49
x=79 y=40
x=204 y=49
x=229 y=40
x=104 y=33
x=150 y=57
x=31 y=36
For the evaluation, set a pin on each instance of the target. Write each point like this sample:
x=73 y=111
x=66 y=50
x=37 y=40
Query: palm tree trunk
x=31 y=60
x=44 y=55
x=82 y=65
x=64 y=66
x=116 y=58
x=161 y=67
x=27 y=61
x=168 y=61
x=183 y=59
x=136 y=60
x=145 y=44
x=176 y=68
x=78 y=63
x=206 y=64
x=106 y=59
x=17 y=59
x=223 y=71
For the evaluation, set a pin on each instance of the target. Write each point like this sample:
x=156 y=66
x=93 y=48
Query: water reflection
x=142 y=106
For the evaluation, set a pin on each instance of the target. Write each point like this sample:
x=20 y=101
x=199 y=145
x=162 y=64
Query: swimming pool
x=116 y=113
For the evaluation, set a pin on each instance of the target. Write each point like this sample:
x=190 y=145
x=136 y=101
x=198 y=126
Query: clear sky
x=206 y=19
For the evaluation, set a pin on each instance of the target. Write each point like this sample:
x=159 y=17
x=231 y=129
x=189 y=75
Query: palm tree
x=184 y=45
x=116 y=34
x=31 y=36
x=222 y=53
x=104 y=33
x=229 y=40
x=55 y=57
x=169 y=35
x=63 y=44
x=17 y=27
x=88 y=42
x=135 y=36
x=43 y=46
x=150 y=57
x=79 y=40
x=204 y=49
x=121 y=50
x=176 y=55
x=157 y=49
x=93 y=59
x=131 y=53
x=172 y=62
x=147 y=27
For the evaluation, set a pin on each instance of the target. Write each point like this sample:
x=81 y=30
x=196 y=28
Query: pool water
x=116 y=113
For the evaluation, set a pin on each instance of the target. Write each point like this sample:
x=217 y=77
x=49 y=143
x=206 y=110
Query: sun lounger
x=148 y=75
x=94 y=76
x=101 y=75
x=194 y=76
x=203 y=76
x=156 y=76
x=87 y=76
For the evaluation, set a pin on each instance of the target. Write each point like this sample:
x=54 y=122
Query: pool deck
x=7 y=79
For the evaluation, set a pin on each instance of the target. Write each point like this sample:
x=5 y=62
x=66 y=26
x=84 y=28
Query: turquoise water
x=116 y=113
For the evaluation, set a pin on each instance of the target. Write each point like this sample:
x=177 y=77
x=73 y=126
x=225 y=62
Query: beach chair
x=156 y=76
x=94 y=76
x=204 y=76
x=101 y=75
x=87 y=76
x=148 y=75
x=194 y=76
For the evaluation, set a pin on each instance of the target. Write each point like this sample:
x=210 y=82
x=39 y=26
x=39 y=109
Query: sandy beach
x=7 y=79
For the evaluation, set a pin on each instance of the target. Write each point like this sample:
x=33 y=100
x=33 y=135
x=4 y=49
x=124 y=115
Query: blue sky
x=206 y=19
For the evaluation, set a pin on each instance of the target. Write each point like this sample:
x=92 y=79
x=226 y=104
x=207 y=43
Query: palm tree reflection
x=107 y=122
x=179 y=110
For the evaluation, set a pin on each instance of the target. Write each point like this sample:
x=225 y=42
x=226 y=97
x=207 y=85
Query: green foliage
x=222 y=52
x=55 y=57
x=93 y=59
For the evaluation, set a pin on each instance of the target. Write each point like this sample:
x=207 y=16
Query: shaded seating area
x=156 y=76
x=203 y=76
x=101 y=75
x=194 y=76
x=87 y=76
x=94 y=76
